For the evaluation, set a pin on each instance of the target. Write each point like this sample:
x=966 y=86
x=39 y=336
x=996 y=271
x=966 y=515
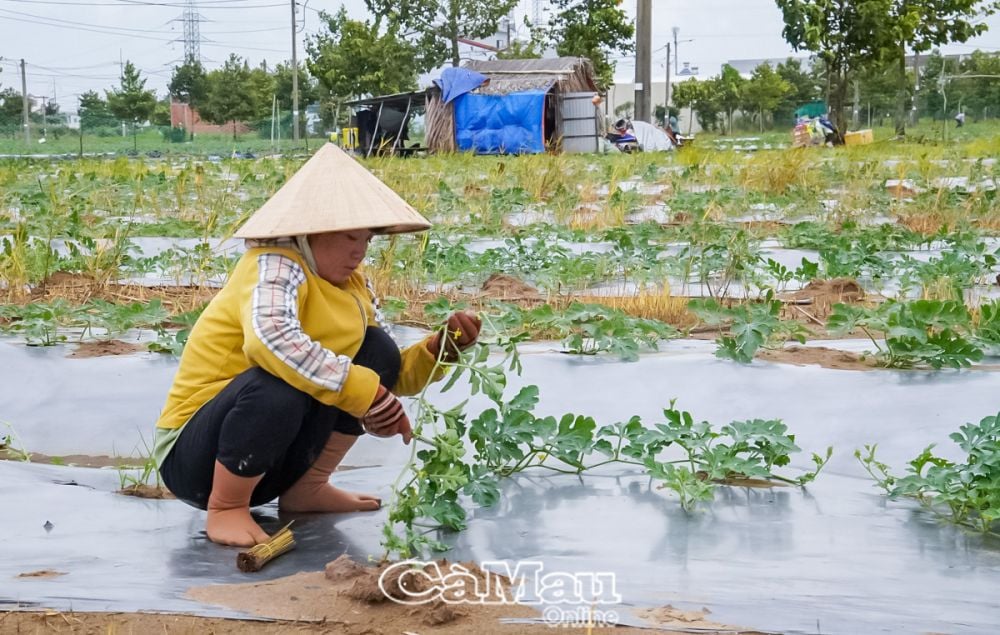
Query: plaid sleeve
x=276 y=324
x=379 y=316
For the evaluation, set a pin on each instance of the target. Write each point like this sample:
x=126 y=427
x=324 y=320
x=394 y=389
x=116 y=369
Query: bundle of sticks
x=254 y=560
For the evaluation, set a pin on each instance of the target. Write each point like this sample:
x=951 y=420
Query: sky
x=71 y=46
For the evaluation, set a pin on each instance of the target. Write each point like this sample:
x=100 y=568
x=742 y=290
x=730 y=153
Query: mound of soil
x=350 y=595
x=817 y=298
x=141 y=490
x=503 y=287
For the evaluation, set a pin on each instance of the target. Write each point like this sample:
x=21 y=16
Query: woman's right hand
x=386 y=417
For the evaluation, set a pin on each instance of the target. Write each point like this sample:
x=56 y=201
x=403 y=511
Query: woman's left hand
x=460 y=332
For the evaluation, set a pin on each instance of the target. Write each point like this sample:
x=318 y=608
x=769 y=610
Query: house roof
x=571 y=74
x=415 y=99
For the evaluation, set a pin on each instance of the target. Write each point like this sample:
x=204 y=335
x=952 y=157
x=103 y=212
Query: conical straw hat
x=332 y=192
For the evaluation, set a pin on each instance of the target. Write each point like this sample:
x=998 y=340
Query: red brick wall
x=183 y=116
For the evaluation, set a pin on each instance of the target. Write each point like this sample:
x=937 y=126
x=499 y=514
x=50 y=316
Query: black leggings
x=259 y=424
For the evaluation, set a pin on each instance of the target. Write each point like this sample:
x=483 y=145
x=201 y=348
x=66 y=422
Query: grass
x=11 y=446
x=150 y=140
x=93 y=210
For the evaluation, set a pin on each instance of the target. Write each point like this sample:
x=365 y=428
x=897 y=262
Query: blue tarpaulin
x=501 y=124
x=455 y=82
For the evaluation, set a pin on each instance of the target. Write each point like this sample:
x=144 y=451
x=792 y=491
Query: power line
x=82 y=28
x=76 y=23
x=205 y=4
x=126 y=32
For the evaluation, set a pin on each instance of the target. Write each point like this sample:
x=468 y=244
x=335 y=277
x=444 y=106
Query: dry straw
x=254 y=560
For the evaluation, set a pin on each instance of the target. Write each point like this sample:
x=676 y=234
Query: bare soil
x=105 y=348
x=669 y=617
x=504 y=287
x=815 y=301
x=41 y=573
x=367 y=623
x=141 y=490
x=818 y=356
x=348 y=596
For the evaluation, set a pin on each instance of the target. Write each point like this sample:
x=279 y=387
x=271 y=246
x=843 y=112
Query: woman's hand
x=460 y=332
x=386 y=417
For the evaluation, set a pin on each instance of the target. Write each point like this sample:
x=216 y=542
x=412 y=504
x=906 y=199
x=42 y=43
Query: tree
x=804 y=89
x=920 y=25
x=354 y=59
x=262 y=87
x=764 y=92
x=11 y=106
x=161 y=113
x=929 y=99
x=595 y=29
x=876 y=86
x=844 y=35
x=131 y=101
x=188 y=83
x=625 y=109
x=531 y=49
x=309 y=92
x=729 y=89
x=438 y=26
x=701 y=98
x=94 y=112
x=980 y=93
x=229 y=98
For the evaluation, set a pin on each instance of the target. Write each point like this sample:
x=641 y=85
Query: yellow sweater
x=226 y=341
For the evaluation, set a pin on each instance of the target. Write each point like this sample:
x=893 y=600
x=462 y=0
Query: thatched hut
x=519 y=109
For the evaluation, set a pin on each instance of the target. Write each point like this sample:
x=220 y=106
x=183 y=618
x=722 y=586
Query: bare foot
x=234 y=527
x=326 y=498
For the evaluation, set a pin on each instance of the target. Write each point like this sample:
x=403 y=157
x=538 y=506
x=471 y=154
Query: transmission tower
x=192 y=32
x=536 y=12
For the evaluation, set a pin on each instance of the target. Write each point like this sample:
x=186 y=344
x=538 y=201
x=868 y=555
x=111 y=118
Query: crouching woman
x=290 y=363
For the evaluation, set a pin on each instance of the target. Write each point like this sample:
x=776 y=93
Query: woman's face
x=338 y=254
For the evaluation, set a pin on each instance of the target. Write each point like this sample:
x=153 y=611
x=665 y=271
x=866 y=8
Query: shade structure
x=332 y=192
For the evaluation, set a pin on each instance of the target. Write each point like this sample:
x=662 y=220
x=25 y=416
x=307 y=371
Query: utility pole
x=25 y=105
x=295 y=83
x=666 y=98
x=643 y=74
x=857 y=104
x=677 y=52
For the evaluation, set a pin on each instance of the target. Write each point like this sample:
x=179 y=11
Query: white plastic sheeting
x=651 y=138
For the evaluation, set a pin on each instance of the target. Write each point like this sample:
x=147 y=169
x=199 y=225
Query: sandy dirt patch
x=347 y=595
x=691 y=621
x=105 y=348
x=818 y=356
